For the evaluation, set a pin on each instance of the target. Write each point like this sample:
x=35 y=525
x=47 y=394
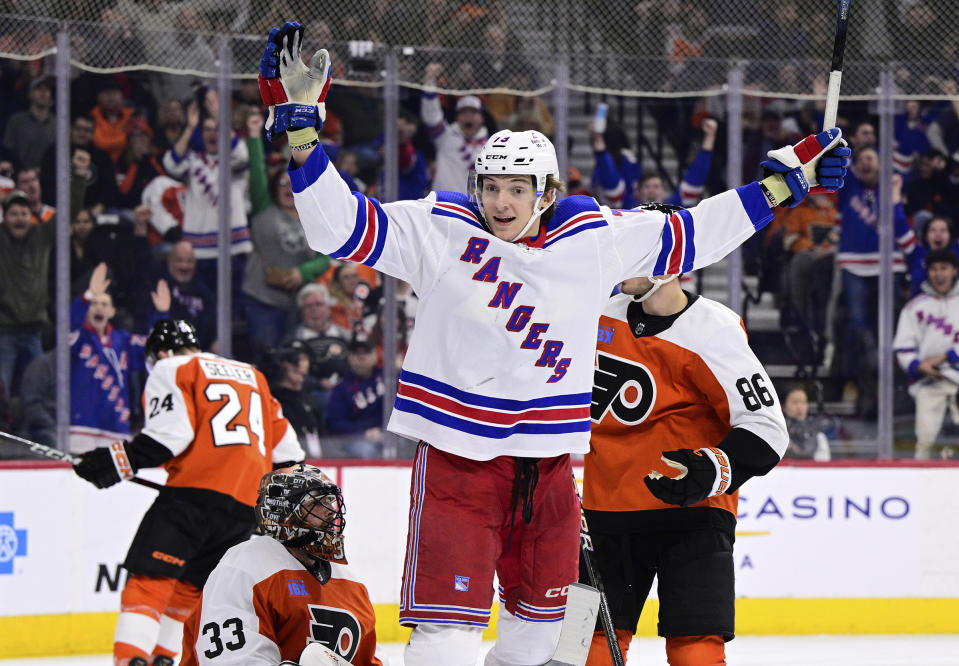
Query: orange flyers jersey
x=261 y=606
x=685 y=387
x=221 y=422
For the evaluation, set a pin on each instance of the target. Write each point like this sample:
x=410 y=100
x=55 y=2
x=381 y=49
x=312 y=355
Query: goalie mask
x=302 y=508
x=169 y=335
x=509 y=153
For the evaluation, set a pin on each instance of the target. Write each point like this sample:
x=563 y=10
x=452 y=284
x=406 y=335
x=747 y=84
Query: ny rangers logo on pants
x=335 y=628
x=623 y=387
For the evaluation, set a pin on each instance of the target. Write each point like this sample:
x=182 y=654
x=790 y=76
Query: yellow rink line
x=92 y=633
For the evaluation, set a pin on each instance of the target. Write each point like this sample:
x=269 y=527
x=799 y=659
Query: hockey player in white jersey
x=496 y=382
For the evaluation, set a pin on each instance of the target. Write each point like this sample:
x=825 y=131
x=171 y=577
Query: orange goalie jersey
x=221 y=422
x=683 y=387
x=260 y=606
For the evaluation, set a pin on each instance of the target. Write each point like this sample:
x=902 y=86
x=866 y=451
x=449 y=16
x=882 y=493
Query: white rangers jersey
x=454 y=152
x=199 y=172
x=928 y=326
x=684 y=387
x=261 y=606
x=501 y=360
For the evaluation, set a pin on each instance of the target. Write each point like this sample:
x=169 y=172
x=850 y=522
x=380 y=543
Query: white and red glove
x=818 y=163
x=294 y=93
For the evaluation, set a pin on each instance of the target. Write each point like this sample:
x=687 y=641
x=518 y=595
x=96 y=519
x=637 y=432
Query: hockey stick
x=835 y=69
x=586 y=548
x=56 y=454
x=579 y=623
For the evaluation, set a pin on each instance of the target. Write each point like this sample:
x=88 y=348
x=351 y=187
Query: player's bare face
x=508 y=204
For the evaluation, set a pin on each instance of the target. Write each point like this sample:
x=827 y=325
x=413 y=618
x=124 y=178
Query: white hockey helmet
x=508 y=153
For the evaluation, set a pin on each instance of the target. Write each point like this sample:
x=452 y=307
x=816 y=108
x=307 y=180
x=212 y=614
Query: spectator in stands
x=360 y=110
x=314 y=306
x=810 y=237
x=617 y=167
x=281 y=262
x=928 y=190
x=102 y=359
x=936 y=234
x=81 y=258
x=111 y=119
x=190 y=299
x=355 y=413
x=38 y=400
x=199 y=171
x=124 y=247
x=170 y=122
x=456 y=143
x=28 y=182
x=347 y=293
x=928 y=353
x=943 y=131
x=138 y=165
x=806 y=438
x=414 y=179
x=858 y=260
x=7 y=169
x=910 y=135
x=649 y=187
x=863 y=136
x=326 y=340
x=288 y=372
x=187 y=46
x=24 y=257
x=102 y=182
x=30 y=132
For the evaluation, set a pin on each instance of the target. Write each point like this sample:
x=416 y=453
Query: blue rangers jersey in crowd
x=858 y=238
x=618 y=183
x=501 y=359
x=100 y=370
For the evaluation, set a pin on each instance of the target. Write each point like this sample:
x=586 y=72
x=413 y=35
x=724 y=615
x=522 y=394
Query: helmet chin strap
x=657 y=283
x=535 y=216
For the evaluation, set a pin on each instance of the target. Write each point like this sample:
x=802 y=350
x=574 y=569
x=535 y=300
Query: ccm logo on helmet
x=554 y=592
x=497 y=157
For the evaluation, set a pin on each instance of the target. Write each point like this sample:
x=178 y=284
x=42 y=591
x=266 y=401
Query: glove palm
x=818 y=163
x=295 y=93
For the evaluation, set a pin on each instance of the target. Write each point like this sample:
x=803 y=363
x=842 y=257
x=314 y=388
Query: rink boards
x=837 y=548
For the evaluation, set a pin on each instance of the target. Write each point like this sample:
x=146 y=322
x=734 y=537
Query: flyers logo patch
x=623 y=388
x=335 y=628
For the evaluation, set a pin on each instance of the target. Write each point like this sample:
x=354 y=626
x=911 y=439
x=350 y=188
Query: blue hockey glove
x=794 y=171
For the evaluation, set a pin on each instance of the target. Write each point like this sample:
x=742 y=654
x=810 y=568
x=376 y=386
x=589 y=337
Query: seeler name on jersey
x=219 y=370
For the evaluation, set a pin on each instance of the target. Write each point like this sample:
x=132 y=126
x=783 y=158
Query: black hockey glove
x=702 y=473
x=105 y=466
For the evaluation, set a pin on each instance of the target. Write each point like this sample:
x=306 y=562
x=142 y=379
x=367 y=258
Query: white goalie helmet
x=509 y=153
